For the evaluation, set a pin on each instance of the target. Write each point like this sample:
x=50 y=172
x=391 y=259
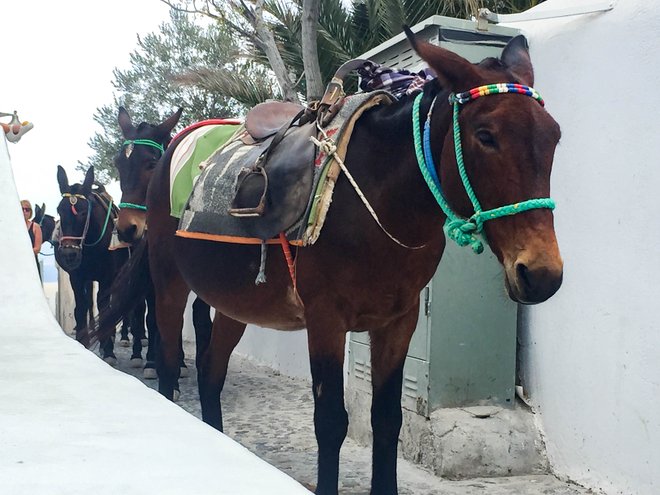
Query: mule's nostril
x=127 y=234
x=523 y=274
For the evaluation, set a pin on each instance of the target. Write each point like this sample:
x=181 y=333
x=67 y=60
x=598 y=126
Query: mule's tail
x=129 y=287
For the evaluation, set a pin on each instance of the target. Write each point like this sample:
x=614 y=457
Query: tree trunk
x=268 y=45
x=310 y=16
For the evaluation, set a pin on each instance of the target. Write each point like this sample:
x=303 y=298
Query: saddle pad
x=206 y=214
x=189 y=157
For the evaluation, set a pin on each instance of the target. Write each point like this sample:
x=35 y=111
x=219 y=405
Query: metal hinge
x=427 y=300
x=485 y=16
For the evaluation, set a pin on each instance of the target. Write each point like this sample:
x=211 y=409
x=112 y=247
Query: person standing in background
x=34 y=230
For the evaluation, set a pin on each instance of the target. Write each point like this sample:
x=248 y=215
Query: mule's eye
x=151 y=164
x=486 y=138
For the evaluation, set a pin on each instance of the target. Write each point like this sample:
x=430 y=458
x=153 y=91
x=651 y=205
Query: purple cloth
x=399 y=82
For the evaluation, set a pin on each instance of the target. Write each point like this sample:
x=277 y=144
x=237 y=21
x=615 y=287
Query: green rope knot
x=464 y=233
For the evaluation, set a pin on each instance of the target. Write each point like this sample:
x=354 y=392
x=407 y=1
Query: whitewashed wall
x=285 y=352
x=592 y=353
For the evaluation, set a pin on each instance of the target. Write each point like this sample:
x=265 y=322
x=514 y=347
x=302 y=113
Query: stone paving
x=271 y=415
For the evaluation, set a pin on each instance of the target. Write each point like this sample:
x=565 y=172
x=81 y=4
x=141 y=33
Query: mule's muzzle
x=128 y=234
x=130 y=230
x=533 y=283
x=69 y=257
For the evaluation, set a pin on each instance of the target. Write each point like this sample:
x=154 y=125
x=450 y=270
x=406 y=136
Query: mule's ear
x=165 y=128
x=89 y=180
x=62 y=180
x=453 y=71
x=516 y=58
x=37 y=213
x=125 y=123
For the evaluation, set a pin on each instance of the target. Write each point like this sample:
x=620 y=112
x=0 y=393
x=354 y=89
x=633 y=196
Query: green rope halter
x=145 y=142
x=105 y=224
x=464 y=231
x=132 y=206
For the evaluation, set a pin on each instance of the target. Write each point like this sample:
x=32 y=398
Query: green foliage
x=213 y=70
x=149 y=91
x=345 y=32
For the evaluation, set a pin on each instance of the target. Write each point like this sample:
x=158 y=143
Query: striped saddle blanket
x=210 y=177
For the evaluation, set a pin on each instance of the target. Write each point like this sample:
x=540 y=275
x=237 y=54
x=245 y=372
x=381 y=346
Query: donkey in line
x=86 y=217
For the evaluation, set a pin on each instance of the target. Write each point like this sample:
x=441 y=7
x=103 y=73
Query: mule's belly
x=224 y=276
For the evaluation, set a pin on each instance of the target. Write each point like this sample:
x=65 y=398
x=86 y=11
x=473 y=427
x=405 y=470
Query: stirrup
x=258 y=173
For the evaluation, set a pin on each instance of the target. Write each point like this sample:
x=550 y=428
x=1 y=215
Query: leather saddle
x=278 y=186
x=284 y=171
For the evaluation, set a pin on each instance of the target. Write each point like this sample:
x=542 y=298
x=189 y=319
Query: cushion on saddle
x=300 y=183
x=265 y=119
x=189 y=157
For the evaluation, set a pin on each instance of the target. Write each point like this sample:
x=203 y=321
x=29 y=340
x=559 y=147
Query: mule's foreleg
x=212 y=366
x=389 y=346
x=81 y=309
x=326 y=354
x=138 y=332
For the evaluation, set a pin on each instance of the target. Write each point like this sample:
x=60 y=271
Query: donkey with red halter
x=478 y=160
x=85 y=230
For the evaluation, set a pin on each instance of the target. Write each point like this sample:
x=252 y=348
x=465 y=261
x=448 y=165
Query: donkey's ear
x=37 y=213
x=62 y=180
x=89 y=180
x=165 y=128
x=516 y=58
x=454 y=72
x=127 y=128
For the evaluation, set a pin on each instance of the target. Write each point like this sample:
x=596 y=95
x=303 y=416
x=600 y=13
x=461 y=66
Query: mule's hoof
x=136 y=362
x=149 y=374
x=144 y=342
x=124 y=343
x=176 y=395
x=184 y=372
x=111 y=360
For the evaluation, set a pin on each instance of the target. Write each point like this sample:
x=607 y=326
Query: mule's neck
x=96 y=234
x=392 y=164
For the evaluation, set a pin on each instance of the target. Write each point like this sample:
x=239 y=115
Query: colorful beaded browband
x=490 y=89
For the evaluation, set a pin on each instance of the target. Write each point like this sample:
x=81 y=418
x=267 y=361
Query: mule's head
x=75 y=215
x=142 y=148
x=508 y=142
x=47 y=222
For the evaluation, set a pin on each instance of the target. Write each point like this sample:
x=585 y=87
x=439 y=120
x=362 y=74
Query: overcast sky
x=57 y=61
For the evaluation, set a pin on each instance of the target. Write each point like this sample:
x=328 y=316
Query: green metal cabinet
x=464 y=346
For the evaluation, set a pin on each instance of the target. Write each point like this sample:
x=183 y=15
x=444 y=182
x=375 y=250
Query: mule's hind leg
x=171 y=297
x=149 y=371
x=326 y=355
x=212 y=366
x=389 y=346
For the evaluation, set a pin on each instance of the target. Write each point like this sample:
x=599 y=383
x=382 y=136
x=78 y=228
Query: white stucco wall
x=592 y=353
x=285 y=352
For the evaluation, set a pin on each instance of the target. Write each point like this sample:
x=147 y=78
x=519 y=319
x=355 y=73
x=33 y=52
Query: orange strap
x=289 y=259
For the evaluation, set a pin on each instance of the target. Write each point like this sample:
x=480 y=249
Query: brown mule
x=355 y=277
